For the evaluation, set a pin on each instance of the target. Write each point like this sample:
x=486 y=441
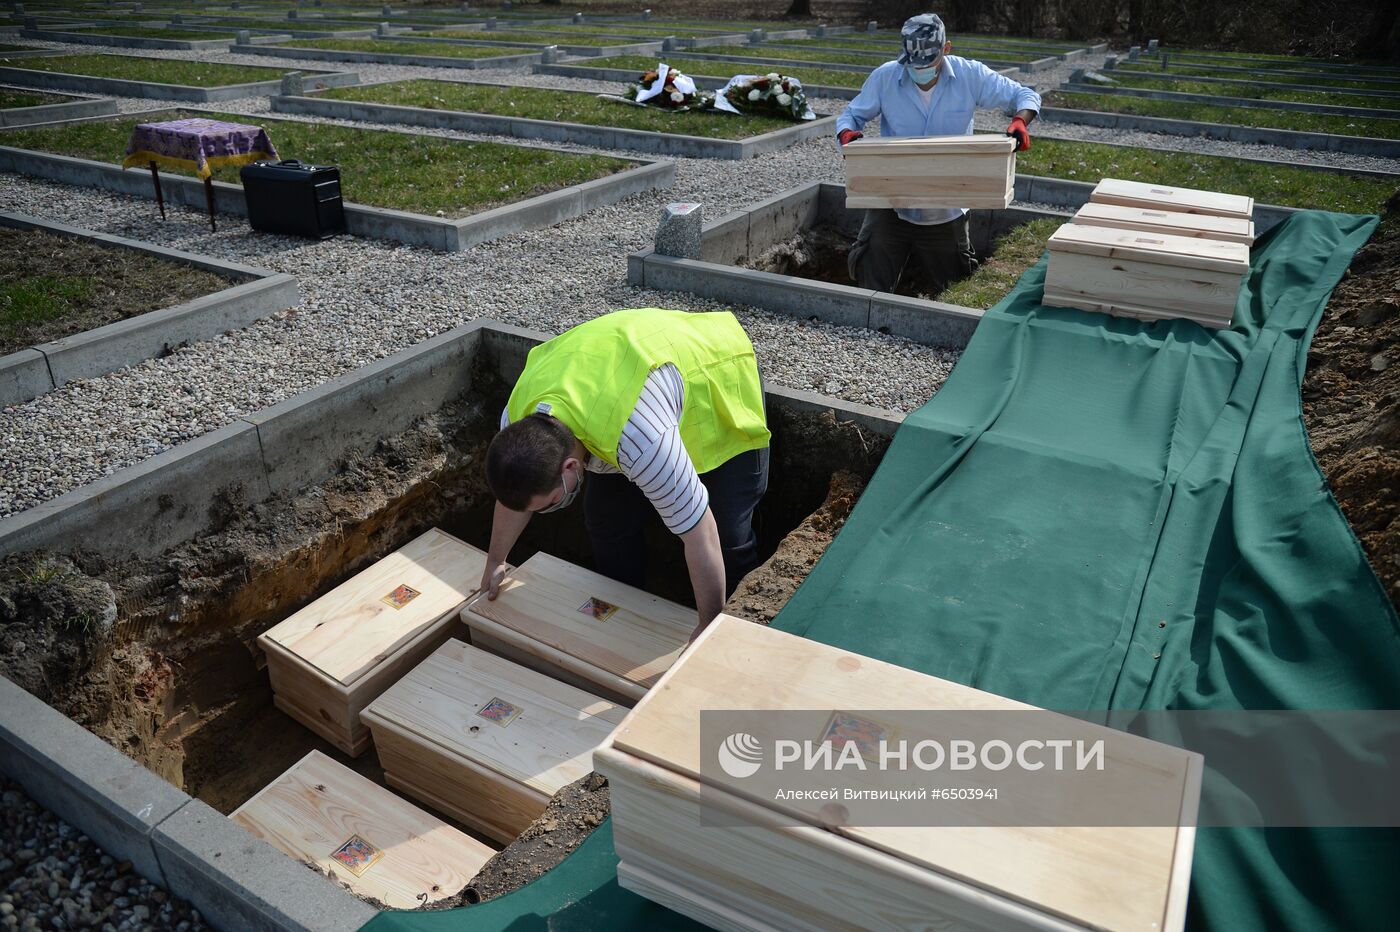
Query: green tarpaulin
x=1100 y=513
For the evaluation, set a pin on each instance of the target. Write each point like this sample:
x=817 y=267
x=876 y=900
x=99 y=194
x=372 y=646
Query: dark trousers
x=890 y=252
x=617 y=513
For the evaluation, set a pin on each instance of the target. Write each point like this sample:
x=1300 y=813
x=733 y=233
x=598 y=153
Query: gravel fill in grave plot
x=56 y=286
x=558 y=106
x=1338 y=97
x=158 y=70
x=445 y=49
x=51 y=873
x=1282 y=185
x=379 y=168
x=723 y=70
x=1370 y=127
x=11 y=99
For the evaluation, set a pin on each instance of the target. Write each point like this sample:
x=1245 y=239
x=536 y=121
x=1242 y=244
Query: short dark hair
x=525 y=459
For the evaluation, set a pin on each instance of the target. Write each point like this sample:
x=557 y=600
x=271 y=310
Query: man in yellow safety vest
x=665 y=410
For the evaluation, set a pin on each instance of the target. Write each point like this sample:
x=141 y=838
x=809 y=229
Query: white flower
x=677 y=96
x=774 y=76
x=755 y=94
x=784 y=100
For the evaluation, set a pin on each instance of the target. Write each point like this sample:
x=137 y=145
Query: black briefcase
x=294 y=198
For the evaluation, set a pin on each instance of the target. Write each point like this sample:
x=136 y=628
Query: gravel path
x=53 y=877
x=363 y=300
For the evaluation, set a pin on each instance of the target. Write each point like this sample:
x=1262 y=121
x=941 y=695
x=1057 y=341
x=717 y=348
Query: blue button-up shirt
x=963 y=86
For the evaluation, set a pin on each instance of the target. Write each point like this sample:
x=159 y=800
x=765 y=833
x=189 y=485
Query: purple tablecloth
x=197 y=143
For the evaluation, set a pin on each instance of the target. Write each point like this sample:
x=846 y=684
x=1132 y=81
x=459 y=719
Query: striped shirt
x=650 y=453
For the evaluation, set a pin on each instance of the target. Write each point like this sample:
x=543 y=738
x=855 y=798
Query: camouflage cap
x=923 y=38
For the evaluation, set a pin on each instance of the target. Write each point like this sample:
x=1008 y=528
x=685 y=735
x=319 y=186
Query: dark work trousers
x=616 y=512
x=926 y=258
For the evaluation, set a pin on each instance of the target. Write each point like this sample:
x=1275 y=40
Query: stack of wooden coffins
x=483 y=739
x=1153 y=253
x=931 y=172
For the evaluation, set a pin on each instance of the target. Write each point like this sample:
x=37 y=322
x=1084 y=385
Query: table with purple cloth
x=200 y=144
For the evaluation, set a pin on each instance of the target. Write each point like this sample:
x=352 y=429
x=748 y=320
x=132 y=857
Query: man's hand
x=1018 y=131
x=491 y=578
x=849 y=135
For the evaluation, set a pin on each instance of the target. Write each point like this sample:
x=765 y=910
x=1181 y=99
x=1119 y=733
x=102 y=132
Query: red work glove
x=1017 y=130
x=849 y=135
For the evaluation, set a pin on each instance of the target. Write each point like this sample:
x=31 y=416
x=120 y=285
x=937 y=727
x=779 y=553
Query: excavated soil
x=765 y=591
x=1351 y=400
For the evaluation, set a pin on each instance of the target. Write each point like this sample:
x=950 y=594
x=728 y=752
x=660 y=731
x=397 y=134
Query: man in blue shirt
x=926 y=92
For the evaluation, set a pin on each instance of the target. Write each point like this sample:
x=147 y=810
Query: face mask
x=922 y=75
x=568 y=498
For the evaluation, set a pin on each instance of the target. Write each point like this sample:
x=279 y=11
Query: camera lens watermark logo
x=740 y=755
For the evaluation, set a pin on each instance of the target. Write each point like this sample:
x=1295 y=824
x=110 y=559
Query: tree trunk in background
x=800 y=8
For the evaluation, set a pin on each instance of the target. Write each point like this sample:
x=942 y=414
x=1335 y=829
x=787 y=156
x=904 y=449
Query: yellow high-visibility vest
x=591 y=376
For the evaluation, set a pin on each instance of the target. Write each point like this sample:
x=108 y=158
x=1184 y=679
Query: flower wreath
x=666 y=88
x=772 y=94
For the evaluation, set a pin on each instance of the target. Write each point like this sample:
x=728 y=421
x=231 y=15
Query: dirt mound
x=1351 y=400
x=54 y=619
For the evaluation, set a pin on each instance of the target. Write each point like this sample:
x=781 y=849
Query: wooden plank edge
x=938 y=882
x=541 y=663
x=498 y=833
x=1179 y=883
x=348 y=744
x=588 y=672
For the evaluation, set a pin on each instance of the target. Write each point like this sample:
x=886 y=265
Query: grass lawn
x=537 y=38
x=15 y=48
x=149 y=32
x=723 y=71
x=445 y=49
x=422 y=174
x=645 y=30
x=1235 y=116
x=1254 y=92
x=559 y=106
x=54 y=286
x=160 y=70
x=890 y=50
x=11 y=98
x=1014 y=251
x=1322 y=80
x=282 y=25
x=863 y=59
x=1300 y=61
x=1283 y=185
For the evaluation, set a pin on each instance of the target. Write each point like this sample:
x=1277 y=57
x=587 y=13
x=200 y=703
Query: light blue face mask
x=569 y=494
x=922 y=75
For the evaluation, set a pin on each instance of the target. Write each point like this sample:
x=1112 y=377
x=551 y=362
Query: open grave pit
x=155 y=653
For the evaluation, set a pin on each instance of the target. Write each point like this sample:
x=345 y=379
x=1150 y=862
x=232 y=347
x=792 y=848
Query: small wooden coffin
x=931 y=171
x=1174 y=223
x=378 y=844
x=485 y=740
x=773 y=862
x=1150 y=276
x=1164 y=197
x=581 y=627
x=329 y=660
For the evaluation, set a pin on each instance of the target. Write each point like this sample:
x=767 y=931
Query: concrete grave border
x=387 y=57
x=381 y=223
x=28 y=373
x=76 y=109
x=260 y=31
x=723 y=242
x=1271 y=85
x=62 y=81
x=129 y=42
x=32 y=53
x=235 y=880
x=1027 y=65
x=1221 y=101
x=1287 y=138
x=604 y=137
x=1242 y=64
x=582 y=51
x=1001 y=67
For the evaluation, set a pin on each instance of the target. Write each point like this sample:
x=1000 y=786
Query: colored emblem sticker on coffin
x=500 y=712
x=357 y=855
x=600 y=610
x=401 y=596
x=866 y=734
